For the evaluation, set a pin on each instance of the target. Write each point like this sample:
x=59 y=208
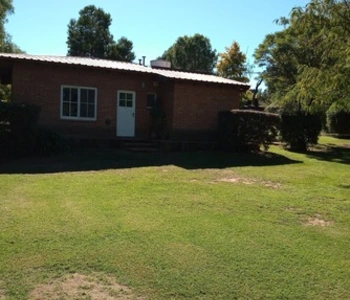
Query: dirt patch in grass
x=78 y=286
x=317 y=220
x=270 y=184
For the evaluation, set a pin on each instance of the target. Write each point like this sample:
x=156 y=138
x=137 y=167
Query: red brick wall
x=40 y=84
x=189 y=106
x=196 y=104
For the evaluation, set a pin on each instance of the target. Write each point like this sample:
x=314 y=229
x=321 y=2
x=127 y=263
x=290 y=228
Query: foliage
x=192 y=53
x=246 y=99
x=338 y=119
x=18 y=128
x=122 y=50
x=300 y=130
x=244 y=130
x=6 y=8
x=308 y=61
x=21 y=136
x=6 y=44
x=5 y=93
x=89 y=36
x=203 y=225
x=49 y=142
x=158 y=120
x=232 y=64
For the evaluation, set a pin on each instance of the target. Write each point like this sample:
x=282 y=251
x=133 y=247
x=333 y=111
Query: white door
x=126 y=113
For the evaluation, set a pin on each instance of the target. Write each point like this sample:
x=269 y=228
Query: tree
x=122 y=50
x=89 y=36
x=6 y=8
x=6 y=44
x=192 y=53
x=232 y=64
x=307 y=62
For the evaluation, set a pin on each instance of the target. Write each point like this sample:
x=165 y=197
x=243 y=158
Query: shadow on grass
x=103 y=159
x=331 y=153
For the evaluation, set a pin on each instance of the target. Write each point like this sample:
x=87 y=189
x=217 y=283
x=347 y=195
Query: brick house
x=99 y=98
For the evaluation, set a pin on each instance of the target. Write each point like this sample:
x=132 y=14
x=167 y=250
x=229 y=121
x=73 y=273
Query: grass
x=181 y=226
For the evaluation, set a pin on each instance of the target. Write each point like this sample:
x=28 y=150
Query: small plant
x=246 y=130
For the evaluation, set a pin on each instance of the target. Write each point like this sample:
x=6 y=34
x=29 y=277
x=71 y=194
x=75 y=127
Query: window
x=151 y=100
x=78 y=103
x=125 y=99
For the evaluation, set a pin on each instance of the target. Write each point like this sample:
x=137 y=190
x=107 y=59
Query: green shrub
x=18 y=128
x=299 y=130
x=338 y=119
x=49 y=143
x=158 y=121
x=246 y=130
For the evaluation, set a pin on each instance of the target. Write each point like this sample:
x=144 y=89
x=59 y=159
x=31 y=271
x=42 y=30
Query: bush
x=18 y=128
x=49 y=142
x=20 y=135
x=299 y=130
x=246 y=130
x=338 y=119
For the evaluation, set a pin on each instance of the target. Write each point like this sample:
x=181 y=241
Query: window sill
x=78 y=119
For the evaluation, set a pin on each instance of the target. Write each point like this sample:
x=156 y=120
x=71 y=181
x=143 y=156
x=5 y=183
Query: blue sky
x=40 y=26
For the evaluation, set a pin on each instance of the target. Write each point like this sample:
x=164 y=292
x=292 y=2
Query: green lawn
x=181 y=225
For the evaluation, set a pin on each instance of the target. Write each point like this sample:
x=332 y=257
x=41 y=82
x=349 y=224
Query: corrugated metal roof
x=196 y=77
x=124 y=66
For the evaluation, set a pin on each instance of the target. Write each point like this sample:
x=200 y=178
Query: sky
x=40 y=26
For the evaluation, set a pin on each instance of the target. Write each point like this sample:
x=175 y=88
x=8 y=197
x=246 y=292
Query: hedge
x=21 y=136
x=49 y=142
x=338 y=119
x=245 y=130
x=18 y=128
x=300 y=129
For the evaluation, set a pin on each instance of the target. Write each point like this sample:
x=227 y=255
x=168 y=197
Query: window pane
x=74 y=95
x=129 y=96
x=122 y=96
x=73 y=110
x=129 y=103
x=91 y=97
x=83 y=95
x=91 y=111
x=65 y=95
x=83 y=110
x=65 y=111
x=122 y=103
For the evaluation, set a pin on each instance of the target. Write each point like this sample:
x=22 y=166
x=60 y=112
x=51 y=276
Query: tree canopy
x=6 y=8
x=122 y=50
x=6 y=44
x=192 y=53
x=232 y=63
x=307 y=63
x=89 y=36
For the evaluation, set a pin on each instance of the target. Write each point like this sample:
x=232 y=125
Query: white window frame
x=79 y=88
